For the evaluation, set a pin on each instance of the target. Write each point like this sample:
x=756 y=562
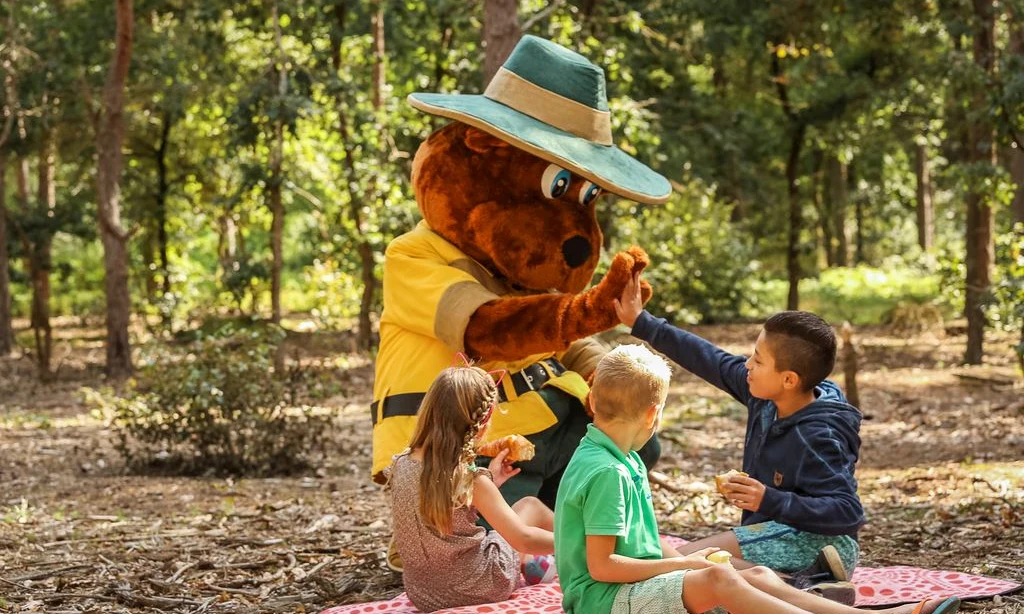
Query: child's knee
x=760 y=575
x=721 y=576
x=527 y=503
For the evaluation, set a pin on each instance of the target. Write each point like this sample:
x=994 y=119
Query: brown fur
x=484 y=196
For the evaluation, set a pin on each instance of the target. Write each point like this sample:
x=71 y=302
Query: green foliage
x=867 y=295
x=1006 y=311
x=702 y=268
x=243 y=279
x=695 y=89
x=214 y=406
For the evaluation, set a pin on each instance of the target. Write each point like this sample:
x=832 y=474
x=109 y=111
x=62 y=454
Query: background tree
x=110 y=125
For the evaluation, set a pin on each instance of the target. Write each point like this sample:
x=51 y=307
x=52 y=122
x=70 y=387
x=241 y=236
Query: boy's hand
x=696 y=560
x=630 y=304
x=501 y=469
x=745 y=492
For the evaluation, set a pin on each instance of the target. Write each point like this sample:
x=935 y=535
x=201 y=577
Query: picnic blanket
x=876 y=586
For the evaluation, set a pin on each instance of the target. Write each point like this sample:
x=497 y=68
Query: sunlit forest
x=198 y=196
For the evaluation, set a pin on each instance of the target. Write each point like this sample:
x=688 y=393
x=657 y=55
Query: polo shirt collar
x=598 y=438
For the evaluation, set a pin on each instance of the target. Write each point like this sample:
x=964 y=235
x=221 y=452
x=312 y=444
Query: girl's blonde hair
x=455 y=408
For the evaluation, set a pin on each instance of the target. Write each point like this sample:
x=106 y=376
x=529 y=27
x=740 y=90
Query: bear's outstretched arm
x=510 y=328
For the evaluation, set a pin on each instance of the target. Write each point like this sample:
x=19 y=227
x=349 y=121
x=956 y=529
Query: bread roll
x=519 y=448
x=722 y=478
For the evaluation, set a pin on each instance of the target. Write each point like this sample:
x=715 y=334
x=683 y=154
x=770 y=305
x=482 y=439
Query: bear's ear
x=481 y=142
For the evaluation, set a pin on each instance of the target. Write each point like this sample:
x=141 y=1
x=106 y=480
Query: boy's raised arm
x=704 y=359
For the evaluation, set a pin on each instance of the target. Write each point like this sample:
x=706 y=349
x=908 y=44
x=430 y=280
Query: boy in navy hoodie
x=801 y=512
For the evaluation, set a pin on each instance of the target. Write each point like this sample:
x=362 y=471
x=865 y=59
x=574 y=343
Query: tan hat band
x=553 y=109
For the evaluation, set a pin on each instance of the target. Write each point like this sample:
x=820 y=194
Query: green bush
x=702 y=269
x=216 y=407
x=867 y=295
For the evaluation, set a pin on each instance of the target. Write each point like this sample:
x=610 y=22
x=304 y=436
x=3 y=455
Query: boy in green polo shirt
x=608 y=552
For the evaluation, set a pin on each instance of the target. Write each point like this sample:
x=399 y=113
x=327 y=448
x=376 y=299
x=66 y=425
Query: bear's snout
x=576 y=251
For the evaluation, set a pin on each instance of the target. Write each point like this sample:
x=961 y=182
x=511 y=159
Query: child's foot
x=949 y=605
x=828 y=567
x=539 y=568
x=840 y=592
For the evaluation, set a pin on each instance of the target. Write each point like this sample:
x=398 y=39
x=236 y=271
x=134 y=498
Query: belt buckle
x=529 y=380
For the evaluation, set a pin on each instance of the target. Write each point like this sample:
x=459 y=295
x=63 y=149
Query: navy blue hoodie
x=806 y=460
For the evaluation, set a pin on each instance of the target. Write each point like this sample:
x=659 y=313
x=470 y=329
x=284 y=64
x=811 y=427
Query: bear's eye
x=589 y=193
x=555 y=181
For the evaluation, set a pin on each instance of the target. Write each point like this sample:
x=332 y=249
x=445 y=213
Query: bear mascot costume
x=500 y=266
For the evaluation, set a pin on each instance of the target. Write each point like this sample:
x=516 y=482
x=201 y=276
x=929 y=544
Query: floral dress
x=468 y=567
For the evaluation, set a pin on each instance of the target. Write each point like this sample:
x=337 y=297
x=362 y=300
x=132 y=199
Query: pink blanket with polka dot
x=875 y=587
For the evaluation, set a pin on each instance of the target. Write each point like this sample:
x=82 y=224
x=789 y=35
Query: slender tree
x=837 y=177
x=797 y=130
x=981 y=154
x=6 y=334
x=923 y=185
x=280 y=73
x=1016 y=162
x=110 y=127
x=357 y=201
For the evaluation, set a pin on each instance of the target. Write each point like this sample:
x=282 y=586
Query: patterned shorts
x=659 y=595
x=783 y=548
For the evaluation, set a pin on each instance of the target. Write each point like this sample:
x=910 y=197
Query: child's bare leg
x=721 y=585
x=535 y=513
x=725 y=541
x=766 y=580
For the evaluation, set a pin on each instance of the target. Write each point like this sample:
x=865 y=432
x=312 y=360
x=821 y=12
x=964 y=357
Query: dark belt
x=531 y=377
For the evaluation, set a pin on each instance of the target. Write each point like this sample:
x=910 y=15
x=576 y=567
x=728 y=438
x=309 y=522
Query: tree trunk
x=980 y=151
x=276 y=178
x=40 y=256
x=858 y=214
x=1017 y=176
x=925 y=213
x=150 y=264
x=379 y=59
x=795 y=219
x=825 y=256
x=501 y=33
x=1016 y=161
x=162 y=188
x=367 y=262
x=109 y=136
x=837 y=200
x=6 y=334
x=849 y=359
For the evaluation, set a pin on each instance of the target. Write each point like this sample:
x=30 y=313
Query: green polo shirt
x=603 y=492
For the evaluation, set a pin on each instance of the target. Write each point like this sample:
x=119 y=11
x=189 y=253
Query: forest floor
x=941 y=475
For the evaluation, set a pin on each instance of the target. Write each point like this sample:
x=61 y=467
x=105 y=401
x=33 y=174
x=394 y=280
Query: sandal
x=393 y=560
x=948 y=606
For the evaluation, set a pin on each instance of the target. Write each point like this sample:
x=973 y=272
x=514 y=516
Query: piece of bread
x=519 y=448
x=720 y=557
x=722 y=478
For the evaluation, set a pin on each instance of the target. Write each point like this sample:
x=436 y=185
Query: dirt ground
x=941 y=476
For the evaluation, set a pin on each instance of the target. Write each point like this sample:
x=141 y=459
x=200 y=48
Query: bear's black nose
x=576 y=251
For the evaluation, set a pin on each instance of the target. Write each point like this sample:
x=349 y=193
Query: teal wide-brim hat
x=551 y=102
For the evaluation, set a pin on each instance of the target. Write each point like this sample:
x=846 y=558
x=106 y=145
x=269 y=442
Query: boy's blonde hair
x=628 y=380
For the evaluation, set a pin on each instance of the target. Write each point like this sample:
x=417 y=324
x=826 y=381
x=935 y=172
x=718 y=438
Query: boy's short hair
x=628 y=380
x=802 y=342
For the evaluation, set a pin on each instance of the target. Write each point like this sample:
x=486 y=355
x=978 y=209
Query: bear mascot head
x=500 y=266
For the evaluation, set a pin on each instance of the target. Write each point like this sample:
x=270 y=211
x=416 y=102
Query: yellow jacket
x=431 y=289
